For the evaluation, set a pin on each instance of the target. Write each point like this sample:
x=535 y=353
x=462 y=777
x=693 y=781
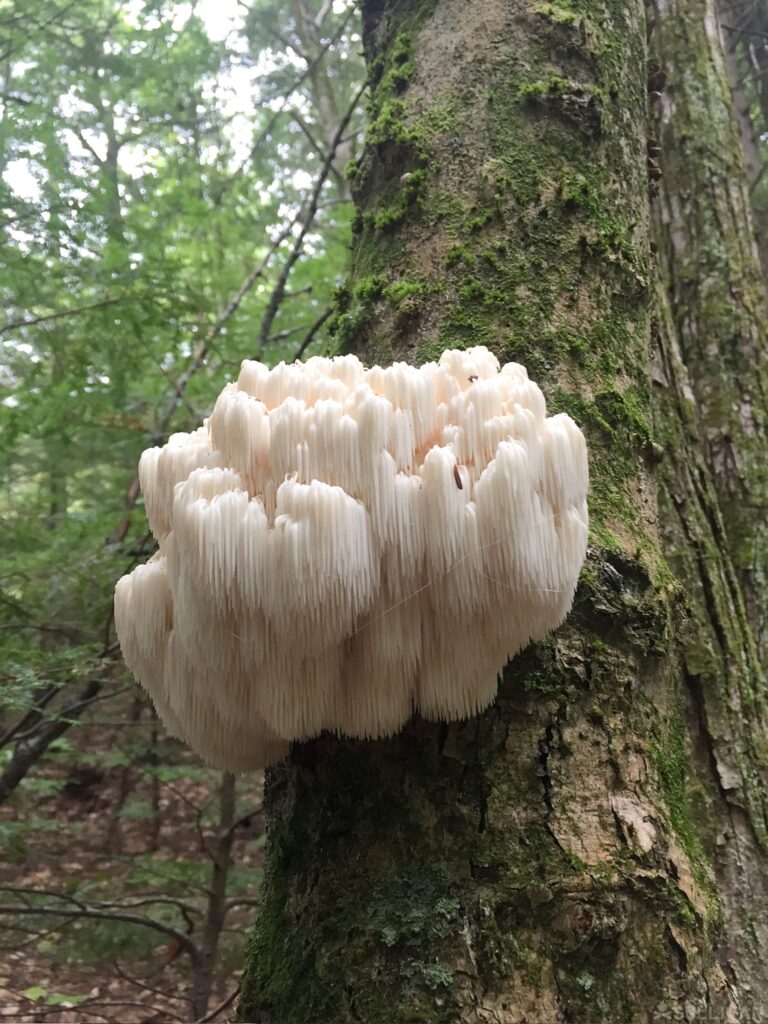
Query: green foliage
x=146 y=165
x=40 y=994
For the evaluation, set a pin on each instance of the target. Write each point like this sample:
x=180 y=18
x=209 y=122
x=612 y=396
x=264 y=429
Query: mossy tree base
x=535 y=863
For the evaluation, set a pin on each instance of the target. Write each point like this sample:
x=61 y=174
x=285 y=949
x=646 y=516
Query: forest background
x=172 y=200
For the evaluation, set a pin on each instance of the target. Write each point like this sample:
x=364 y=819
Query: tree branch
x=82 y=911
x=307 y=219
x=309 y=337
x=70 y=312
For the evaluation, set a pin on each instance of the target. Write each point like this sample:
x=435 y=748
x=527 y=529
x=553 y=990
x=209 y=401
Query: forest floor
x=128 y=833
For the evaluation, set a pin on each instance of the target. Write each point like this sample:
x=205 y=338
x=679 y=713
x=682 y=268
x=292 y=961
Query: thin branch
x=758 y=177
x=201 y=352
x=287 y=43
x=69 y=312
x=33 y=714
x=297 y=83
x=81 y=910
x=26 y=756
x=218 y=1009
x=284 y=335
x=301 y=122
x=89 y=1008
x=146 y=901
x=138 y=983
x=304 y=216
x=307 y=219
x=62 y=715
x=244 y=819
x=299 y=291
x=309 y=337
x=86 y=145
x=39 y=25
x=321 y=14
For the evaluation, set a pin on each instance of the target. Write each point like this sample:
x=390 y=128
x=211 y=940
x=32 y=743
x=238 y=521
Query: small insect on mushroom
x=318 y=568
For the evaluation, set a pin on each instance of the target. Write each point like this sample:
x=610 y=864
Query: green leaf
x=57 y=999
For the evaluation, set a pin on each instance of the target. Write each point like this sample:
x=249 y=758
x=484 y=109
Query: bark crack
x=542 y=768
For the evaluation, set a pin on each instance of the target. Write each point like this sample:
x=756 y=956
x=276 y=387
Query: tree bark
x=711 y=379
x=583 y=850
x=744 y=33
x=711 y=268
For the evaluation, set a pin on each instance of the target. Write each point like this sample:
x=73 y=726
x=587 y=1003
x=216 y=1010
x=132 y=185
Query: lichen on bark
x=543 y=861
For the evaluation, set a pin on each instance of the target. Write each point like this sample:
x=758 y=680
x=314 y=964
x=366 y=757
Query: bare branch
x=146 y=901
x=27 y=755
x=89 y=1007
x=307 y=217
x=309 y=337
x=301 y=122
x=138 y=983
x=321 y=14
x=296 y=84
x=34 y=714
x=218 y=1009
x=243 y=820
x=82 y=910
x=70 y=312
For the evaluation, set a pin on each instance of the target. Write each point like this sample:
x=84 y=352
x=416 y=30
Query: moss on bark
x=712 y=274
x=709 y=371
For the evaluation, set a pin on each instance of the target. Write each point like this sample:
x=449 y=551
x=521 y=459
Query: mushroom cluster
x=340 y=547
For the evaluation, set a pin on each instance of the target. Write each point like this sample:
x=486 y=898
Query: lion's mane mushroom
x=340 y=547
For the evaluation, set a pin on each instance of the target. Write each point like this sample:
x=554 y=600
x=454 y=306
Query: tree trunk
x=711 y=375
x=744 y=32
x=583 y=850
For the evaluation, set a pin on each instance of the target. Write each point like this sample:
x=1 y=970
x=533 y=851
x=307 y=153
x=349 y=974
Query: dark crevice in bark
x=545 y=746
x=699 y=703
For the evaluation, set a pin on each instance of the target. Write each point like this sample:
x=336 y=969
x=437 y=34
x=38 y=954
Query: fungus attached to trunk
x=341 y=547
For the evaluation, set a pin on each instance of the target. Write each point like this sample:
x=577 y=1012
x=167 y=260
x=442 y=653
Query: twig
x=65 y=716
x=201 y=352
x=297 y=83
x=85 y=1007
x=39 y=25
x=217 y=1009
x=83 y=911
x=307 y=217
x=146 y=901
x=138 y=983
x=301 y=122
x=283 y=335
x=70 y=312
x=25 y=756
x=309 y=337
x=34 y=713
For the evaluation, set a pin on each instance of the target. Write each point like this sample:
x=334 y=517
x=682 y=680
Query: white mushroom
x=342 y=547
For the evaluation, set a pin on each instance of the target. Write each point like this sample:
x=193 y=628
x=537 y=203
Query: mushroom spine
x=340 y=547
